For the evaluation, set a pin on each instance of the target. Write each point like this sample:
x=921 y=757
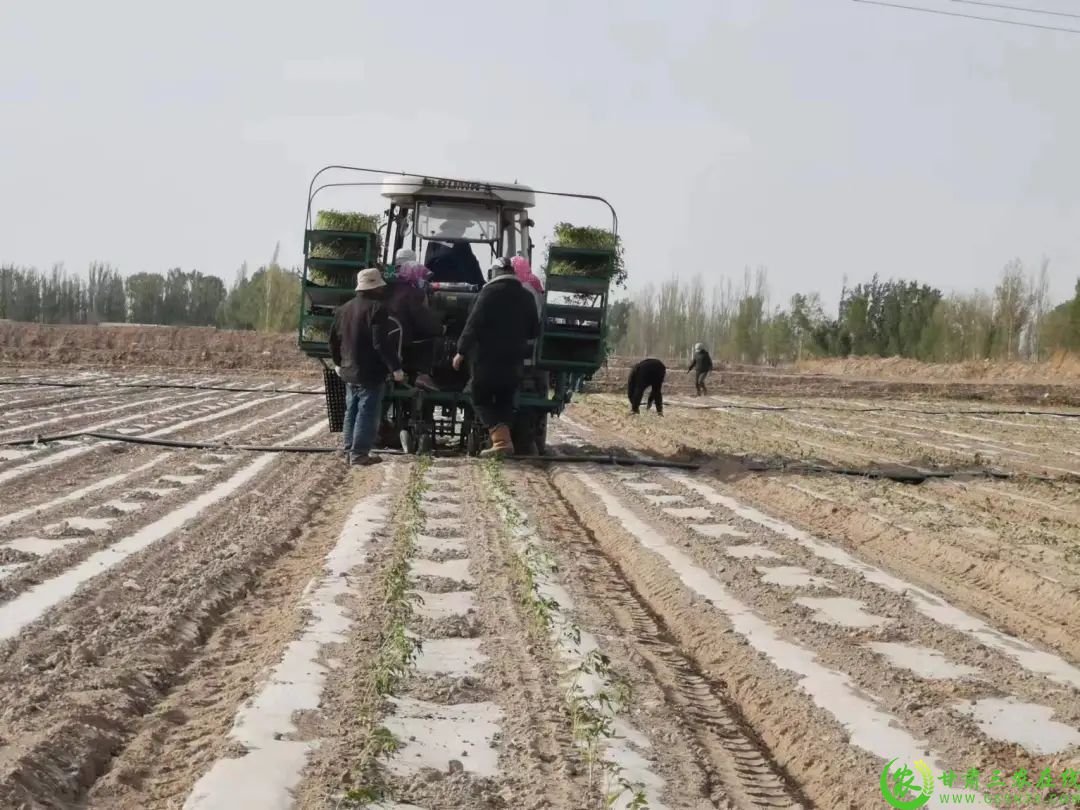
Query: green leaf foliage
x=575 y=236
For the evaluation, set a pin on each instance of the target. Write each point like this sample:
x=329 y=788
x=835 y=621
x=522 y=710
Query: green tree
x=146 y=297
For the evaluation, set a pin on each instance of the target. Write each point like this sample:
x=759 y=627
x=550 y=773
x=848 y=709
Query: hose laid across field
x=880 y=409
x=264 y=448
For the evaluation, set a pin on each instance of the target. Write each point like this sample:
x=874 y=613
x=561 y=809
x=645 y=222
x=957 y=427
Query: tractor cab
x=456 y=228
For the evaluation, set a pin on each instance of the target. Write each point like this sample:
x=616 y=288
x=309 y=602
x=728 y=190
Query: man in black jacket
x=701 y=365
x=495 y=339
x=365 y=344
x=649 y=374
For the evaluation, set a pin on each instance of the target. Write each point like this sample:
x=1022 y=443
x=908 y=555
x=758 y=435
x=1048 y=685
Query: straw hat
x=370 y=279
x=404 y=255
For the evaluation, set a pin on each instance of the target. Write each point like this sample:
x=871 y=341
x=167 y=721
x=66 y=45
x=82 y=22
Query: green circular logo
x=898 y=787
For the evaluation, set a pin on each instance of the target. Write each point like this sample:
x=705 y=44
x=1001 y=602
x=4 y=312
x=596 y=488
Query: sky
x=821 y=139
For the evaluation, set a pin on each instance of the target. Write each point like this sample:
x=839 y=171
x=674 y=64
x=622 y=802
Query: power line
x=968 y=16
x=1018 y=8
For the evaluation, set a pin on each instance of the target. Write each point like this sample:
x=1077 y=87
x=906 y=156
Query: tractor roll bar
x=312 y=190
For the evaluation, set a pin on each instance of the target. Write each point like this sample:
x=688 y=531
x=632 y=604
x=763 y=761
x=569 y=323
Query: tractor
x=444 y=220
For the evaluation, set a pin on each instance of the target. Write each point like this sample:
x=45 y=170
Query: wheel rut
x=737 y=767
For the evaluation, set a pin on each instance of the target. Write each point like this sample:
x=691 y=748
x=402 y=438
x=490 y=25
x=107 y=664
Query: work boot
x=501 y=444
x=357 y=460
x=425 y=383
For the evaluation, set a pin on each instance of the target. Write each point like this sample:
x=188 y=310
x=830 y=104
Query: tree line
x=266 y=299
x=885 y=318
x=735 y=319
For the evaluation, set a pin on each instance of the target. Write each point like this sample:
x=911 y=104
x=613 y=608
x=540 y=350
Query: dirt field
x=184 y=628
x=40 y=346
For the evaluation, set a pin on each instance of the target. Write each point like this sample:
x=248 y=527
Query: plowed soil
x=185 y=628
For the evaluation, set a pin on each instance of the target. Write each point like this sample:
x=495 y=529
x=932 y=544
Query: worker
x=495 y=340
x=453 y=261
x=649 y=373
x=419 y=324
x=701 y=364
x=536 y=381
x=365 y=344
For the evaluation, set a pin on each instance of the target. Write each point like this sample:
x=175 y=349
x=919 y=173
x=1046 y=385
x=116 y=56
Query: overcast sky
x=819 y=138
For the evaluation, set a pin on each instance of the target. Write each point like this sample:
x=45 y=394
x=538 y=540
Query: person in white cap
x=701 y=364
x=365 y=344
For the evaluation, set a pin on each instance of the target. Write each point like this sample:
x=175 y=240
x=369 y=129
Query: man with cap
x=701 y=364
x=365 y=344
x=495 y=340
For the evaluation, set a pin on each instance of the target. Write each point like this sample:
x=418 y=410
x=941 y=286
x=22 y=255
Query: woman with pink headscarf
x=407 y=302
x=529 y=280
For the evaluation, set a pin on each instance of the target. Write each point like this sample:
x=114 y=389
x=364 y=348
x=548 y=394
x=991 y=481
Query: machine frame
x=573 y=315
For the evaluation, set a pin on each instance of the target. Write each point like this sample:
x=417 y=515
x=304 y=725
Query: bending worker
x=495 y=339
x=649 y=374
x=701 y=364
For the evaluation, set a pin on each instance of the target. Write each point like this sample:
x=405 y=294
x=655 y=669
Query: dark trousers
x=648 y=374
x=656 y=397
x=419 y=356
x=494 y=403
x=699 y=382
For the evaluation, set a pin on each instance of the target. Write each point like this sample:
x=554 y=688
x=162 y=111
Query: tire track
x=741 y=771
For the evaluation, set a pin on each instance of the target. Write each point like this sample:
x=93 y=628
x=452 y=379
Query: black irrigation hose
x=264 y=448
x=905 y=475
x=613 y=459
x=879 y=409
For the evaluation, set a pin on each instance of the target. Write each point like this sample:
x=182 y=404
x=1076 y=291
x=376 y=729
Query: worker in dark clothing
x=419 y=323
x=649 y=374
x=495 y=340
x=365 y=344
x=701 y=365
x=453 y=263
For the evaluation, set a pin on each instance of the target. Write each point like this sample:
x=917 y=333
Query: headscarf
x=525 y=273
x=412 y=272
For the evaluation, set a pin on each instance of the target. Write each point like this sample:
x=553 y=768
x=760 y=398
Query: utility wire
x=1019 y=8
x=968 y=16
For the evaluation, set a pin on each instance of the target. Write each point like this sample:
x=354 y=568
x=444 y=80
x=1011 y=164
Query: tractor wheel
x=408 y=441
x=472 y=443
x=540 y=436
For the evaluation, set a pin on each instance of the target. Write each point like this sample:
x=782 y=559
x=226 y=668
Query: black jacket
x=365 y=341
x=701 y=362
x=501 y=323
x=649 y=373
x=409 y=305
x=455 y=263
